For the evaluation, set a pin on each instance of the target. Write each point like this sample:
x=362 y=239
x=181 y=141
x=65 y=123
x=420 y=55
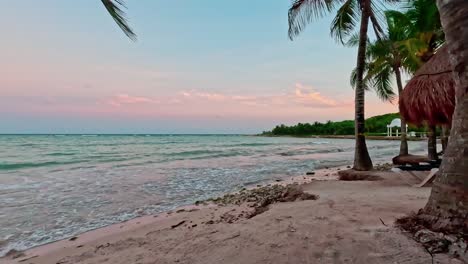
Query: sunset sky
x=198 y=67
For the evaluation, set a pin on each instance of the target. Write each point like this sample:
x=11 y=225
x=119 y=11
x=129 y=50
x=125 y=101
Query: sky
x=200 y=66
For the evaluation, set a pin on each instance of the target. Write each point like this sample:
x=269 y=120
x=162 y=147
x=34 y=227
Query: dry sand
x=351 y=222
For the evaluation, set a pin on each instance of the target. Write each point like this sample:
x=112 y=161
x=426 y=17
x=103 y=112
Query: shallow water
x=56 y=186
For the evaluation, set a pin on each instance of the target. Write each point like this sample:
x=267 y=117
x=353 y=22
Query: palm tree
x=348 y=15
x=448 y=203
x=447 y=208
x=386 y=57
x=411 y=38
x=114 y=7
x=422 y=21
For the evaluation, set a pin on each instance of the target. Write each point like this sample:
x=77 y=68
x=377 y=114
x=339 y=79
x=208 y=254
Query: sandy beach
x=234 y=132
x=350 y=222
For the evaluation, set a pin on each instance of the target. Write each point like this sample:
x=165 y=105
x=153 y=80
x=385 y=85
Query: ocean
x=57 y=186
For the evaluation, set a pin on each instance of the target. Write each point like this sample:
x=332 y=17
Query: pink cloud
x=300 y=95
x=203 y=95
x=308 y=96
x=212 y=96
x=299 y=101
x=123 y=99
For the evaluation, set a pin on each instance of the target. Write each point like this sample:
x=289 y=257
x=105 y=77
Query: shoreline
x=327 y=173
x=345 y=137
x=214 y=233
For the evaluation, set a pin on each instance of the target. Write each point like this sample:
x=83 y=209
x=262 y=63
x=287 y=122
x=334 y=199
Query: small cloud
x=186 y=94
x=123 y=99
x=212 y=96
x=308 y=96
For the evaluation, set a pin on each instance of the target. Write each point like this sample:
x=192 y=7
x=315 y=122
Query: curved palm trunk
x=432 y=143
x=362 y=160
x=404 y=141
x=448 y=203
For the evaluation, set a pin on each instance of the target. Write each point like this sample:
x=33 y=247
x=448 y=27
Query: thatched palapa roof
x=429 y=97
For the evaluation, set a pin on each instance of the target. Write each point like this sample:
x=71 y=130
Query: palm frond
x=353 y=40
x=366 y=81
x=114 y=7
x=411 y=49
x=398 y=16
x=382 y=83
x=378 y=31
x=303 y=12
x=424 y=15
x=353 y=78
x=380 y=50
x=345 y=21
x=377 y=18
x=398 y=28
x=392 y=1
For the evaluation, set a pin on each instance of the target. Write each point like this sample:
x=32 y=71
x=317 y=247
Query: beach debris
x=310 y=173
x=28 y=258
x=228 y=218
x=383 y=223
x=73 y=238
x=383 y=167
x=256 y=211
x=432 y=241
x=259 y=199
x=354 y=175
x=178 y=224
x=263 y=196
x=102 y=246
x=14 y=254
x=231 y=236
x=291 y=228
x=450 y=239
x=348 y=167
x=197 y=203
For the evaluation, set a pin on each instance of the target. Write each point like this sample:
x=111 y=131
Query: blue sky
x=197 y=67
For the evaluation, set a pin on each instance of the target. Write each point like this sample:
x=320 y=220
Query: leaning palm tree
x=447 y=208
x=348 y=16
x=448 y=203
x=115 y=9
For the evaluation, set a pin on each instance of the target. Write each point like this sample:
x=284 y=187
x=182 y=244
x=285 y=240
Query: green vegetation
x=376 y=125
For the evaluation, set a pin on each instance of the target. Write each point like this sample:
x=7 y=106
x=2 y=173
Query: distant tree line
x=374 y=125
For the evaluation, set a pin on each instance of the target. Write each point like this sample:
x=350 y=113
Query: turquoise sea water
x=56 y=186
